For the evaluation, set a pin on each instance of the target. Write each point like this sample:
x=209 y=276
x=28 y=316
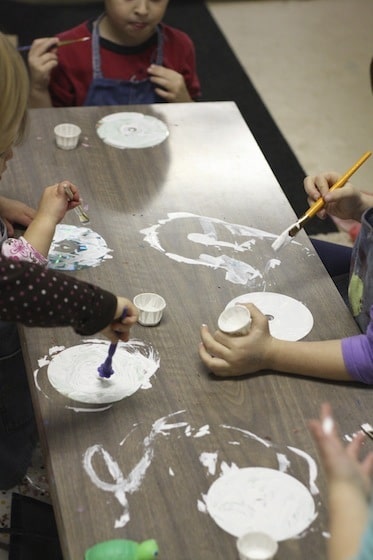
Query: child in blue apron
x=126 y=56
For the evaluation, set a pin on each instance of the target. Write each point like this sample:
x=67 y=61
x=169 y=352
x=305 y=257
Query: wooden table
x=209 y=166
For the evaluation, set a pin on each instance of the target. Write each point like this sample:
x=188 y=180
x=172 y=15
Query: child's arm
x=42 y=58
x=230 y=356
x=170 y=84
x=52 y=208
x=349 y=482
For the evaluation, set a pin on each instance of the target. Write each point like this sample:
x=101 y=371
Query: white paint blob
x=75 y=248
x=73 y=371
x=289 y=319
x=263 y=500
x=131 y=130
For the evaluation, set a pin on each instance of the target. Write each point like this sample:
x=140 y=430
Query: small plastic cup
x=235 y=320
x=256 y=546
x=67 y=135
x=151 y=307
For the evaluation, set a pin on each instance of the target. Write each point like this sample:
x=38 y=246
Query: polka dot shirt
x=35 y=296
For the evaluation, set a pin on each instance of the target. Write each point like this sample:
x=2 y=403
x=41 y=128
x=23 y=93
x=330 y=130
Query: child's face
x=134 y=21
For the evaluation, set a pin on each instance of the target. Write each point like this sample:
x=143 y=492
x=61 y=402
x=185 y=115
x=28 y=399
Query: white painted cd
x=131 y=130
x=263 y=500
x=289 y=319
x=73 y=373
x=74 y=248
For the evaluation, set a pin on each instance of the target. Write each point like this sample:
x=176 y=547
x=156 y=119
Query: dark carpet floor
x=221 y=74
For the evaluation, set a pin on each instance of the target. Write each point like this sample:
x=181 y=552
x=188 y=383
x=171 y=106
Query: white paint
x=120 y=485
x=73 y=371
x=283 y=462
x=201 y=506
x=237 y=271
x=272 y=263
x=171 y=472
x=263 y=500
x=209 y=461
x=203 y=431
x=312 y=468
x=289 y=318
x=328 y=425
x=131 y=130
x=283 y=239
x=75 y=248
x=248 y=434
x=225 y=468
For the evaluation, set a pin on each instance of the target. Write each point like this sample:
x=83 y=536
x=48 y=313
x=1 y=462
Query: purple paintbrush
x=105 y=370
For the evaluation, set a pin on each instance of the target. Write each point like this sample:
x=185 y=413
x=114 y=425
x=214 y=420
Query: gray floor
x=309 y=60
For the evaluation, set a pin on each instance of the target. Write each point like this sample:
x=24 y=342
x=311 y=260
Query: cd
x=289 y=319
x=131 y=130
x=260 y=499
x=74 y=373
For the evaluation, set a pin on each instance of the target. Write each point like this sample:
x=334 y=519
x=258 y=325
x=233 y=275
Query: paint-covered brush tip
x=281 y=241
x=285 y=237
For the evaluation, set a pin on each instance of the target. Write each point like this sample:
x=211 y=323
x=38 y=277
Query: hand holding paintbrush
x=286 y=236
x=42 y=58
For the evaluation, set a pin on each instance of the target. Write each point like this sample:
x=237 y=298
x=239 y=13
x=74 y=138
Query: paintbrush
x=106 y=369
x=287 y=235
x=59 y=44
x=83 y=217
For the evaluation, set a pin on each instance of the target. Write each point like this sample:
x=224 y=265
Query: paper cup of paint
x=235 y=320
x=256 y=546
x=151 y=307
x=67 y=135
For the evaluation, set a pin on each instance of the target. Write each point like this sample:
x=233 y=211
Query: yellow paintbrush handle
x=316 y=207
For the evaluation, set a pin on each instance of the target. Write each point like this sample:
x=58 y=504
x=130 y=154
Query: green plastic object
x=121 y=549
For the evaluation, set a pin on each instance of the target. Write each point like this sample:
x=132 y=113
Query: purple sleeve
x=358 y=354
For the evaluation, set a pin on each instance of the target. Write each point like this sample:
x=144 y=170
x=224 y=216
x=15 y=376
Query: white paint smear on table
x=73 y=371
x=237 y=271
x=75 y=248
x=260 y=499
x=120 y=485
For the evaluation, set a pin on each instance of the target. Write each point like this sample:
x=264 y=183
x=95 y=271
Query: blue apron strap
x=96 y=58
x=159 y=58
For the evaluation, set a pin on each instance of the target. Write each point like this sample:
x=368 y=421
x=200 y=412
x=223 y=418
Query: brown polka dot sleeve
x=38 y=297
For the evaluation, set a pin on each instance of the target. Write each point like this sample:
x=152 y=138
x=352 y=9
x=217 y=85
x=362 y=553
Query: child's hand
x=345 y=203
x=120 y=329
x=52 y=208
x=227 y=355
x=341 y=462
x=42 y=58
x=54 y=202
x=15 y=212
x=170 y=84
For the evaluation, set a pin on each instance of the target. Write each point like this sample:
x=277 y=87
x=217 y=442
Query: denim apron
x=18 y=433
x=360 y=289
x=105 y=91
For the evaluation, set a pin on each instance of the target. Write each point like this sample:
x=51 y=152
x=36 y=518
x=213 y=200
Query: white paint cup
x=67 y=135
x=256 y=546
x=235 y=320
x=151 y=307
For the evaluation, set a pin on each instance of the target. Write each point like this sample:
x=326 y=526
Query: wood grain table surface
x=208 y=177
